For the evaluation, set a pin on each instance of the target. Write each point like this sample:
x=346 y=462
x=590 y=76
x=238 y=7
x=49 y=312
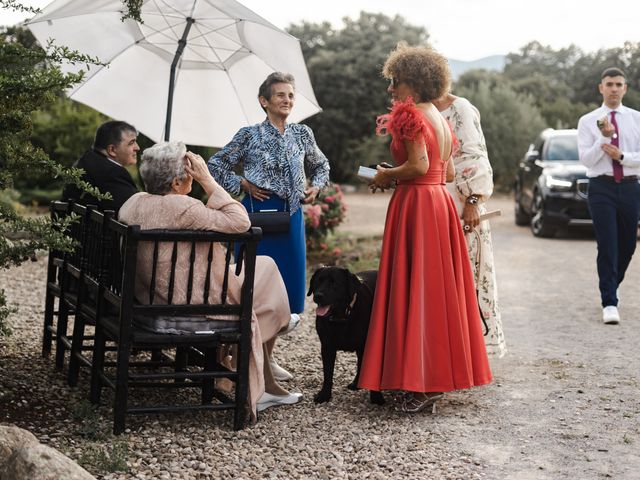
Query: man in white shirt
x=609 y=146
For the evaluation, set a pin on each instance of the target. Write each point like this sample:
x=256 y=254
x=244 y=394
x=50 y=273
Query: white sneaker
x=294 y=320
x=267 y=400
x=610 y=315
x=279 y=373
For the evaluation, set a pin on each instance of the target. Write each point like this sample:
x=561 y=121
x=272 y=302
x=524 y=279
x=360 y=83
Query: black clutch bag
x=269 y=221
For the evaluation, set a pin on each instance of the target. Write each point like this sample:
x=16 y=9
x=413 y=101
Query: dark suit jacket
x=107 y=176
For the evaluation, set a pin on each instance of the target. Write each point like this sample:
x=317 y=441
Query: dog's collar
x=365 y=285
x=350 y=307
x=332 y=319
x=347 y=312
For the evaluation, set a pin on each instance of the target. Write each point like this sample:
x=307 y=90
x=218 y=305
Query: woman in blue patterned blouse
x=274 y=155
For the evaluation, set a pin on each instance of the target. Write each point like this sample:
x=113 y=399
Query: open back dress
x=425 y=333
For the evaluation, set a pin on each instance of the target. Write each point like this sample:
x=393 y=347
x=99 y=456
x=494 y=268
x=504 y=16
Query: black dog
x=342 y=320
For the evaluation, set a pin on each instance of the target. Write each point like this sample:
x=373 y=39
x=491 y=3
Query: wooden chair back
x=54 y=308
x=92 y=273
x=175 y=256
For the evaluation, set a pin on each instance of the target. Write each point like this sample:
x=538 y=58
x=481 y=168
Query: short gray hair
x=161 y=164
x=273 y=78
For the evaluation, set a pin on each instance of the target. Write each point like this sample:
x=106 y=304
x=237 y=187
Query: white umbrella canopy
x=228 y=53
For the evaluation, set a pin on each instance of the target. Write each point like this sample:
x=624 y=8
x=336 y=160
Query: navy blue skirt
x=288 y=250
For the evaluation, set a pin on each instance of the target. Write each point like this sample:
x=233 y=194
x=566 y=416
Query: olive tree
x=345 y=68
x=30 y=79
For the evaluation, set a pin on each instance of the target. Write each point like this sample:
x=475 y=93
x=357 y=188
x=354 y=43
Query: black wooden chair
x=118 y=315
x=71 y=279
x=64 y=271
x=92 y=274
x=54 y=309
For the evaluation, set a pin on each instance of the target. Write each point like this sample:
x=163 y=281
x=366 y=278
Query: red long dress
x=425 y=333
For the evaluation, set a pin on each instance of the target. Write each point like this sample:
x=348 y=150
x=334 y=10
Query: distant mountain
x=494 y=62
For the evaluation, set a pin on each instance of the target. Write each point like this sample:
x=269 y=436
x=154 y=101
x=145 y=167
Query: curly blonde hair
x=422 y=68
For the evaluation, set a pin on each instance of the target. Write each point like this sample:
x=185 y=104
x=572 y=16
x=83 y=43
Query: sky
x=468 y=29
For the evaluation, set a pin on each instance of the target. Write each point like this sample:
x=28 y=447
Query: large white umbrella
x=189 y=72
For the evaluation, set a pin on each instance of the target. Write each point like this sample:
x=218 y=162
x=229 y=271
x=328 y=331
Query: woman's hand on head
x=195 y=166
x=253 y=190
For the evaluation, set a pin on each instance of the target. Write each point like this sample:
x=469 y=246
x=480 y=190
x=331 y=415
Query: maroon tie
x=615 y=141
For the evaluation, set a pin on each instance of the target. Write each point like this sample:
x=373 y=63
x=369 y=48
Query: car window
x=562 y=148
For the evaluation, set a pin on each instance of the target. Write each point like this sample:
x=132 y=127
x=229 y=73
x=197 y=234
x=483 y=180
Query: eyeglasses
x=394 y=82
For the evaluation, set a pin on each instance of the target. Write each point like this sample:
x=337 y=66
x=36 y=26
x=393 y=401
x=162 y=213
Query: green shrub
x=4 y=313
x=105 y=458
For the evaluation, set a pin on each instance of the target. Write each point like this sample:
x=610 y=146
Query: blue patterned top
x=273 y=161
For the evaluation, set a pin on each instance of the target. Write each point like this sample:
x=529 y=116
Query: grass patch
x=90 y=424
x=98 y=457
x=100 y=453
x=350 y=251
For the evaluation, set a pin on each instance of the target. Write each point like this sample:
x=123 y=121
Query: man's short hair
x=612 y=72
x=110 y=133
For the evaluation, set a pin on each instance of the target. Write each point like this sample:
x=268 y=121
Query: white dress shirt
x=113 y=161
x=590 y=141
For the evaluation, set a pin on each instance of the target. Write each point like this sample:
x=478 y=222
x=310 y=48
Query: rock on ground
x=13 y=438
x=24 y=458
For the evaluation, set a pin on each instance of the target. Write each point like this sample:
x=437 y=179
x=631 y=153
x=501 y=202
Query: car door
x=530 y=168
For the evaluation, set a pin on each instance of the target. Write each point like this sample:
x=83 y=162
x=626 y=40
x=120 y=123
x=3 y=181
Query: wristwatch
x=472 y=200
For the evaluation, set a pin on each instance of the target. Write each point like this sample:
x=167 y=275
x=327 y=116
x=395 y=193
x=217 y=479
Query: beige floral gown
x=475 y=176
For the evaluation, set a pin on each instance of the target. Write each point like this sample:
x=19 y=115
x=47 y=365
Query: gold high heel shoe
x=411 y=404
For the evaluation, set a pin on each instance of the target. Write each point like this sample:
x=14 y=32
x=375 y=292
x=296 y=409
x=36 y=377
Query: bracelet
x=472 y=200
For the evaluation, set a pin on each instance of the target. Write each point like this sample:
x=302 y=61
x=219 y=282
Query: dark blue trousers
x=614 y=209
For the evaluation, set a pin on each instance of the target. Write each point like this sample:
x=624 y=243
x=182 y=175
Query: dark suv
x=551 y=185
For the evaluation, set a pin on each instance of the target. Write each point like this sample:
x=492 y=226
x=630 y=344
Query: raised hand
x=195 y=166
x=606 y=127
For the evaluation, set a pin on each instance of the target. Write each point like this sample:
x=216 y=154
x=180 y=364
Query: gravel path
x=564 y=403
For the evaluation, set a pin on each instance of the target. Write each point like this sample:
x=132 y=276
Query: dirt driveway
x=564 y=403
x=565 y=400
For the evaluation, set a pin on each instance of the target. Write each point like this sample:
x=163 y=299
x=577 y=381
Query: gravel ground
x=564 y=403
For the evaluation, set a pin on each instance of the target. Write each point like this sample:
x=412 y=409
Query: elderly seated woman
x=168 y=171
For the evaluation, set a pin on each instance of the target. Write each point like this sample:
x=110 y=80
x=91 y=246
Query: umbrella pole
x=182 y=43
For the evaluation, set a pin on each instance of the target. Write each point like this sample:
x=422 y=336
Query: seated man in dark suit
x=115 y=147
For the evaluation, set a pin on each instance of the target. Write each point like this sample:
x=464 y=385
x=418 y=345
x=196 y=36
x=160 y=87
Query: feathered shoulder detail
x=404 y=122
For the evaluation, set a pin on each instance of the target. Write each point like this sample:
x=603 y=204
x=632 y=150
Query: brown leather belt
x=625 y=179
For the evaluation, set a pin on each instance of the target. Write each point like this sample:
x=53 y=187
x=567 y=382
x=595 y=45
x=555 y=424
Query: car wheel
x=521 y=218
x=539 y=221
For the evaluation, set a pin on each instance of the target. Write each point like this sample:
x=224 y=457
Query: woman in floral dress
x=471 y=189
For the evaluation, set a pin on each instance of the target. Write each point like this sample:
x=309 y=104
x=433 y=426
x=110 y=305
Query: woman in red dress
x=425 y=336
